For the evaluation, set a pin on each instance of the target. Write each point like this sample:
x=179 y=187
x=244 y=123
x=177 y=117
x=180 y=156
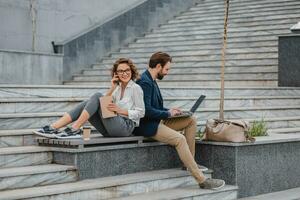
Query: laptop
x=192 y=110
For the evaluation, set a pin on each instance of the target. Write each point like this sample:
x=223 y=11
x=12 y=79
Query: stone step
x=192 y=77
x=229 y=91
x=24 y=156
x=205 y=58
x=189 y=47
x=202 y=83
x=215 y=2
x=10 y=138
x=236 y=21
x=191 y=192
x=45 y=91
x=29 y=176
x=241 y=32
x=205 y=40
x=290 y=194
x=260 y=11
x=284 y=130
x=218 y=29
x=280 y=20
x=201 y=63
x=17 y=105
x=105 y=188
x=192 y=70
x=76 y=91
x=236 y=5
x=163 y=37
x=242 y=5
x=249 y=112
x=217 y=41
x=35 y=104
x=198 y=52
x=274 y=123
x=205 y=11
x=25 y=105
x=25 y=120
x=242 y=2
x=84 y=91
x=257 y=113
x=213 y=102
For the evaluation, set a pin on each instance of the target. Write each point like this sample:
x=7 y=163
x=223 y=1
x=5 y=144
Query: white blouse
x=132 y=101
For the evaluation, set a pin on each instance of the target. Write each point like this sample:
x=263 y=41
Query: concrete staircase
x=194 y=39
x=160 y=184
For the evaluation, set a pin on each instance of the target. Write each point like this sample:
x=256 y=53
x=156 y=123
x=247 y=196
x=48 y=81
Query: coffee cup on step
x=86 y=133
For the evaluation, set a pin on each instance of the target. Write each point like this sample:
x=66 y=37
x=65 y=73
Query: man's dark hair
x=159 y=58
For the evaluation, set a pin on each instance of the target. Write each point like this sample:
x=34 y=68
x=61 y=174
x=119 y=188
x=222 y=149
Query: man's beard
x=160 y=76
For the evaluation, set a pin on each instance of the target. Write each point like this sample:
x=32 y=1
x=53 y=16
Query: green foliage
x=199 y=134
x=258 y=128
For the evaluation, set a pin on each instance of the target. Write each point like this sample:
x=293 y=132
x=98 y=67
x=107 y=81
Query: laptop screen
x=197 y=103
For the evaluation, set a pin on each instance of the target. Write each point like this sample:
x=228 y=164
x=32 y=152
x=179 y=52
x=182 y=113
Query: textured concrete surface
x=289 y=61
x=18 y=67
x=110 y=36
x=109 y=187
x=271 y=164
x=291 y=194
x=101 y=163
x=57 y=20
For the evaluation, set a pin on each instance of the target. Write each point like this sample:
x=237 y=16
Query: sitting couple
x=147 y=118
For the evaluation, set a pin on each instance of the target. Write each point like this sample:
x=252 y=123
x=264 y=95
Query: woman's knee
x=97 y=95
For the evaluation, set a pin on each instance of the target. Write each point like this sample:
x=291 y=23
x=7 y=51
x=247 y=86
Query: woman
x=127 y=103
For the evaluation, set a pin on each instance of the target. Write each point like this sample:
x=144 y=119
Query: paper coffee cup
x=86 y=133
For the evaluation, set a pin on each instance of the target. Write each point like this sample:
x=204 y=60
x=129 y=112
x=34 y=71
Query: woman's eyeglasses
x=120 y=72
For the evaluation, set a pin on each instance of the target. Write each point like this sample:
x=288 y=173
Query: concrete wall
x=90 y=47
x=270 y=164
x=57 y=20
x=30 y=68
x=289 y=61
x=88 y=30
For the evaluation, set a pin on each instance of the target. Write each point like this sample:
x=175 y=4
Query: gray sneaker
x=212 y=184
x=69 y=133
x=47 y=131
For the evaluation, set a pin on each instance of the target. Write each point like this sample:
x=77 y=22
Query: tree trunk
x=221 y=116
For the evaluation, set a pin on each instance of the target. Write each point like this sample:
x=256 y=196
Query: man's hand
x=175 y=111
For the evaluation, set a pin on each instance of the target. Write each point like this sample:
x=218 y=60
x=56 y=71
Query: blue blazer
x=154 y=108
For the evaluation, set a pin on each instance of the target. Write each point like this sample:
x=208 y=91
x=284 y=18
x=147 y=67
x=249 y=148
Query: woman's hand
x=113 y=107
x=114 y=81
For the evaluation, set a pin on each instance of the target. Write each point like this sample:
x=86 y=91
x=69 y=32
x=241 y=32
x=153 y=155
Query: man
x=156 y=124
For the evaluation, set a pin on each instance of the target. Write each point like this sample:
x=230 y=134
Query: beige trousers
x=184 y=143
